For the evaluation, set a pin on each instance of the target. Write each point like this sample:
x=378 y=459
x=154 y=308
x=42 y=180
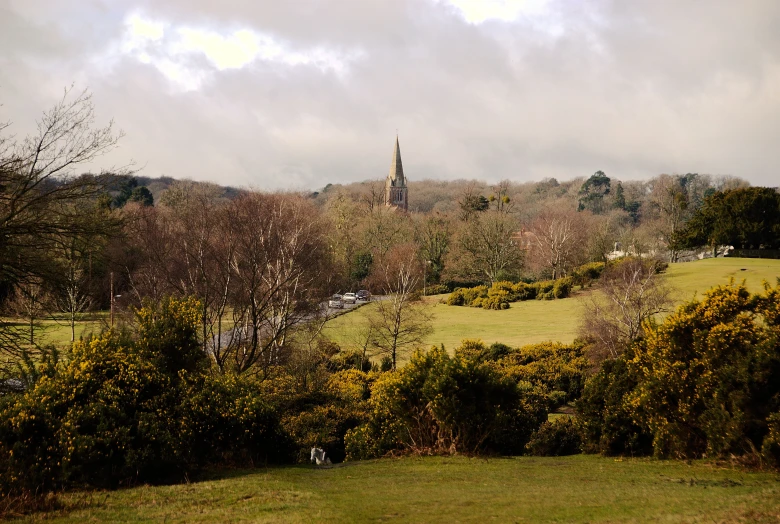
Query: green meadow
x=581 y=488
x=539 y=320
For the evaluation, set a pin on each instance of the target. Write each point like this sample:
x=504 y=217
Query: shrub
x=119 y=411
x=456 y=298
x=770 y=449
x=550 y=365
x=168 y=332
x=524 y=291
x=562 y=287
x=503 y=289
x=102 y=419
x=350 y=360
x=443 y=404
x=496 y=301
x=709 y=376
x=587 y=273
x=436 y=289
x=224 y=419
x=472 y=294
x=545 y=286
x=502 y=293
x=605 y=416
x=555 y=439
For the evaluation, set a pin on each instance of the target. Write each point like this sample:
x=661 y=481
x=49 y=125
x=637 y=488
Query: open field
x=521 y=489
x=57 y=330
x=539 y=320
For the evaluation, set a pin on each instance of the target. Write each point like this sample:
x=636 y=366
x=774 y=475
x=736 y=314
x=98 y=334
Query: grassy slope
x=554 y=489
x=540 y=320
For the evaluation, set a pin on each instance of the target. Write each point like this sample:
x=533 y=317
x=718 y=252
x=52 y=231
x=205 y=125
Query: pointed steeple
x=396 y=192
x=396 y=167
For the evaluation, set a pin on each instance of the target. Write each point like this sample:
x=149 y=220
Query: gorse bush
x=709 y=376
x=322 y=416
x=117 y=410
x=436 y=289
x=706 y=381
x=101 y=418
x=587 y=273
x=606 y=417
x=443 y=404
x=167 y=332
x=555 y=439
x=501 y=294
x=559 y=369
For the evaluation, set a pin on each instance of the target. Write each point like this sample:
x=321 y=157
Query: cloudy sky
x=295 y=94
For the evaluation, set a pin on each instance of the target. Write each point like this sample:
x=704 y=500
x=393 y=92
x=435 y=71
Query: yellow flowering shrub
x=709 y=375
x=442 y=404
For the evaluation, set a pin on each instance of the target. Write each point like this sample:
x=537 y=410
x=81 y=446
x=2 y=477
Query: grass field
x=57 y=330
x=520 y=489
x=539 y=320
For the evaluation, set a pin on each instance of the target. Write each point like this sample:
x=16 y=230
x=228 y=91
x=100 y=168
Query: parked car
x=336 y=302
x=349 y=298
x=363 y=294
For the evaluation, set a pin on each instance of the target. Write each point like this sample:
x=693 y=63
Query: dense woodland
x=217 y=354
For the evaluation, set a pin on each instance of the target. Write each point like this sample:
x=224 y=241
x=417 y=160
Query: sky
x=297 y=94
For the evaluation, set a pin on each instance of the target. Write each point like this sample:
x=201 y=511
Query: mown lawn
x=539 y=320
x=521 y=489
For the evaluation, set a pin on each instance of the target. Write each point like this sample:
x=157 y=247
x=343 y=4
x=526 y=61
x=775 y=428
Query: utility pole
x=112 y=299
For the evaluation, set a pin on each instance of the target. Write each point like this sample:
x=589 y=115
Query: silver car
x=336 y=302
x=349 y=298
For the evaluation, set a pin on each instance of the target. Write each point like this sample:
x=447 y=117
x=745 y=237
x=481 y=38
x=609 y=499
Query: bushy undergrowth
x=705 y=382
x=118 y=410
x=560 y=437
x=442 y=404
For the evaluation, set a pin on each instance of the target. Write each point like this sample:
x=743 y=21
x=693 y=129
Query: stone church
x=396 y=192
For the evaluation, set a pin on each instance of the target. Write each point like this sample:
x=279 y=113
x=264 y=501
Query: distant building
x=396 y=192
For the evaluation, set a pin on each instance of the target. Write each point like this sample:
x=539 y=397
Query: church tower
x=396 y=192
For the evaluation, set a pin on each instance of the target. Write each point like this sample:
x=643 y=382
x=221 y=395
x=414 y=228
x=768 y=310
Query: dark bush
x=118 y=411
x=562 y=287
x=436 y=289
x=770 y=448
x=555 y=439
x=102 y=419
x=443 y=404
x=607 y=423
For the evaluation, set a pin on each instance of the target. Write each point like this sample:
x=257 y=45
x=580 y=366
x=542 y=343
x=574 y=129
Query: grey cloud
x=632 y=89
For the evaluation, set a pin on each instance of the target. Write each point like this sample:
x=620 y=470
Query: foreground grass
x=522 y=489
x=540 y=320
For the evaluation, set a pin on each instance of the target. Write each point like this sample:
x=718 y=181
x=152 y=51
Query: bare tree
x=486 y=248
x=30 y=300
x=41 y=200
x=400 y=321
x=433 y=234
x=73 y=296
x=670 y=200
x=559 y=241
x=631 y=292
x=203 y=245
x=279 y=262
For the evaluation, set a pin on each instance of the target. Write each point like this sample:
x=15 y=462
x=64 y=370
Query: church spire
x=396 y=167
x=395 y=185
